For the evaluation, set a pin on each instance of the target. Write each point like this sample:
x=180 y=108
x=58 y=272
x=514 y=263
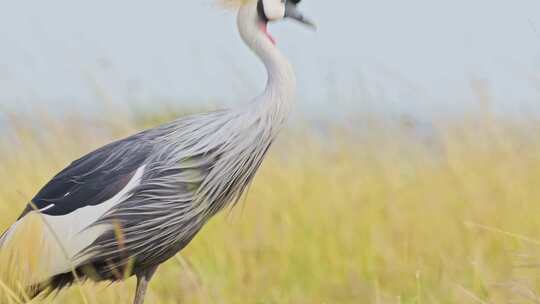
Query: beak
x=291 y=11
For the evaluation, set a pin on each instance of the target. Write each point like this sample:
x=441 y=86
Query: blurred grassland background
x=381 y=213
x=398 y=186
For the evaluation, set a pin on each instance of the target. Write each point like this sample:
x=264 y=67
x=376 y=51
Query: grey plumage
x=192 y=168
x=184 y=183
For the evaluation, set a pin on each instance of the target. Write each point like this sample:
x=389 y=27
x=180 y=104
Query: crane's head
x=274 y=10
x=254 y=16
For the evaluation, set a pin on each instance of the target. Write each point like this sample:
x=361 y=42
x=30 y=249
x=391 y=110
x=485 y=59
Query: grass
x=385 y=216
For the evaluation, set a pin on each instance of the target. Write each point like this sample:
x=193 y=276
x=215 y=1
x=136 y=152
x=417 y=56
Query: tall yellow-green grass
x=381 y=215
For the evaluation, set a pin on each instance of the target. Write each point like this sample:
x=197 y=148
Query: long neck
x=276 y=100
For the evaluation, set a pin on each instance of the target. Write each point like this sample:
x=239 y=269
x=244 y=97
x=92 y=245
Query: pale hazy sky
x=403 y=57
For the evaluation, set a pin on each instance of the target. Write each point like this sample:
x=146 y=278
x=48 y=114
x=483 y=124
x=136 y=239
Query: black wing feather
x=92 y=179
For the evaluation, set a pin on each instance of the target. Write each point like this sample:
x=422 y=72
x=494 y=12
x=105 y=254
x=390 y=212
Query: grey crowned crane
x=133 y=204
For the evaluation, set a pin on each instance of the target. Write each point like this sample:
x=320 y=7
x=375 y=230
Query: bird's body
x=131 y=205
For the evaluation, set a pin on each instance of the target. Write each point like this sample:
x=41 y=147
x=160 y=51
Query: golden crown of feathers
x=232 y=4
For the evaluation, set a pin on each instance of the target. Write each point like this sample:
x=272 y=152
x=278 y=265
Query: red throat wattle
x=264 y=29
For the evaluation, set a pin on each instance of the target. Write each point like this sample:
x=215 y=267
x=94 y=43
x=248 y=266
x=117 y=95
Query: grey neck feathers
x=276 y=100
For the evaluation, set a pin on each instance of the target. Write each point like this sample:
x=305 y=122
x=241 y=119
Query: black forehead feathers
x=260 y=11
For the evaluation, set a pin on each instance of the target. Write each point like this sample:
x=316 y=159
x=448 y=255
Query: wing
x=73 y=200
x=92 y=179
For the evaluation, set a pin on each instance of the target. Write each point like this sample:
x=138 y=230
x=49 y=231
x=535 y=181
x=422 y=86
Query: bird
x=127 y=207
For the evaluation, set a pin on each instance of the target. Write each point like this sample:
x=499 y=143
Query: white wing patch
x=63 y=237
x=47 y=207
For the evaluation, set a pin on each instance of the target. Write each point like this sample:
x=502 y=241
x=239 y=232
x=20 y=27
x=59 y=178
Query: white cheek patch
x=274 y=9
